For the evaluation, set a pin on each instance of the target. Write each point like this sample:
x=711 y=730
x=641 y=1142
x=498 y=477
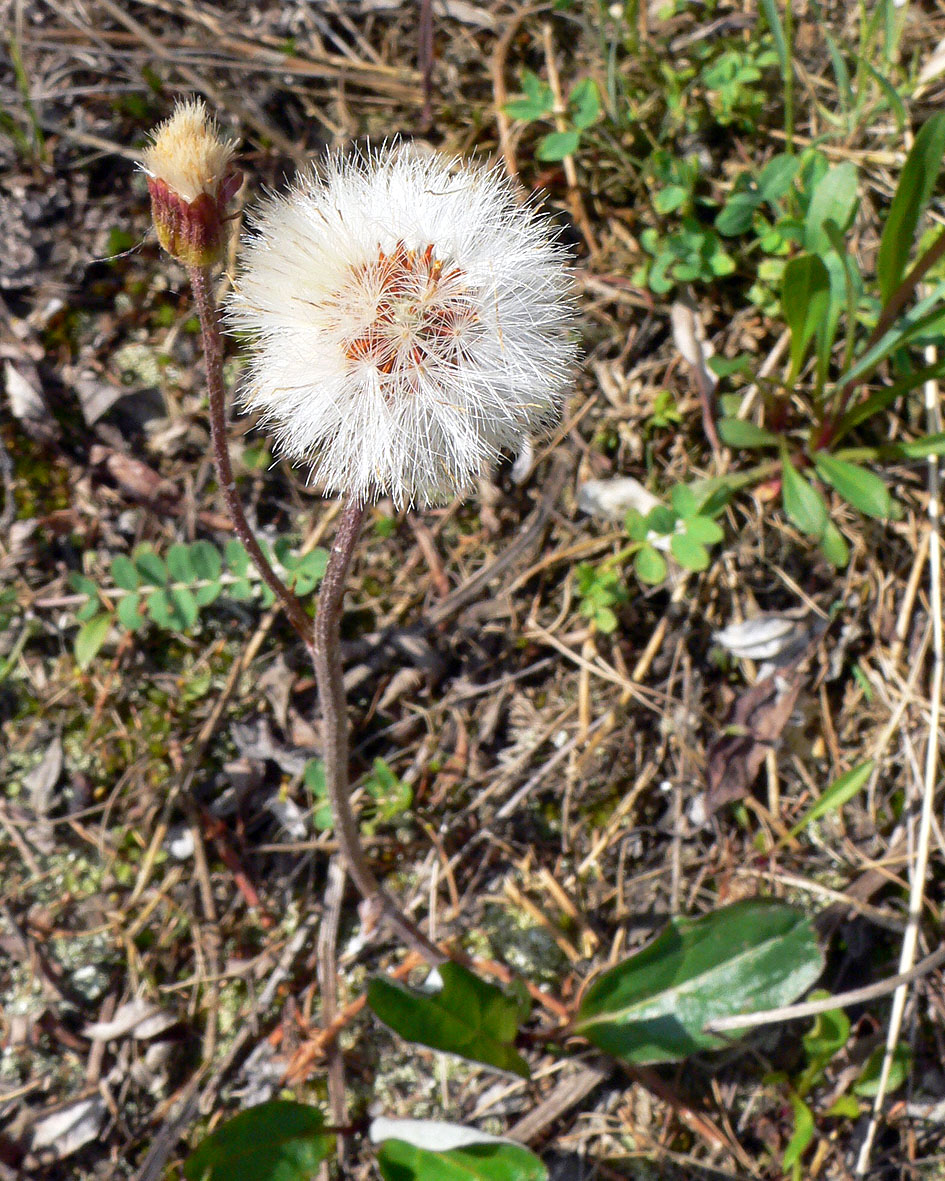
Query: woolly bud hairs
x=409 y=320
x=191 y=180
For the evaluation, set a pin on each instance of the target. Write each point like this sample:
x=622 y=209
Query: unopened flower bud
x=191 y=183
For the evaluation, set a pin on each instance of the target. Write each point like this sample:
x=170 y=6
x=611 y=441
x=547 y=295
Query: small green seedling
x=537 y=105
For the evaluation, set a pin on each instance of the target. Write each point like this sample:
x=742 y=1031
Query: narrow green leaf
x=400 y=1161
x=803 y=1132
x=278 y=1141
x=584 y=104
x=805 y=301
x=124 y=573
x=558 y=144
x=90 y=638
x=873 y=404
x=834 y=547
x=735 y=432
x=906 y=328
x=654 y=1006
x=838 y=794
x=834 y=199
x=859 y=487
x=923 y=448
x=867 y=1084
x=840 y=71
x=773 y=17
x=467 y=1016
x=892 y=96
x=650 y=565
x=912 y=195
x=802 y=502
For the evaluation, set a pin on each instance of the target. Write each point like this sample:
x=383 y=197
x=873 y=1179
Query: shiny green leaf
x=736 y=432
x=916 y=184
x=90 y=638
x=859 y=487
x=805 y=301
x=466 y=1016
x=839 y=793
x=802 y=502
x=400 y=1161
x=277 y=1141
x=654 y=1006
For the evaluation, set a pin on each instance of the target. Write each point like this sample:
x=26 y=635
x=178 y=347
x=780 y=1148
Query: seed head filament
x=414 y=313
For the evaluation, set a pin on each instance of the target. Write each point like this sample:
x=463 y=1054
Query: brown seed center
x=416 y=312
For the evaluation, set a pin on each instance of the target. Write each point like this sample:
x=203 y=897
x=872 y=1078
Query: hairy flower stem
x=331 y=692
x=202 y=285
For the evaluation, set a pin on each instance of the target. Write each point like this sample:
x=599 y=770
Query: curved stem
x=213 y=352
x=331 y=692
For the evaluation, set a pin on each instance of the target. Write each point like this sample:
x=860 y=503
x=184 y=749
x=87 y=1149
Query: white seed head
x=187 y=153
x=409 y=320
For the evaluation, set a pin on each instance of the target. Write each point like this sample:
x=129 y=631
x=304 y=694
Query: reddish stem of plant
x=208 y=312
x=331 y=692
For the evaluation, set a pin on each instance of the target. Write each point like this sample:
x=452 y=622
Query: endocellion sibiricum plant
x=409 y=319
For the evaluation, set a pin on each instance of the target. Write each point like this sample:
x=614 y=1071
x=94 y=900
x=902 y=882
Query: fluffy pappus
x=409 y=319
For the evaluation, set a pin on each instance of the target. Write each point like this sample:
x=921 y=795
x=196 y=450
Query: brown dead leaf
x=133 y=476
x=757 y=722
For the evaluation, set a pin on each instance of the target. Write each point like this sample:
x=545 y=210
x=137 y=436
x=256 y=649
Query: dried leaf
x=689 y=336
x=44 y=777
x=139 y=1018
x=612 y=499
x=26 y=402
x=756 y=724
x=774 y=637
x=66 y=1131
x=133 y=476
